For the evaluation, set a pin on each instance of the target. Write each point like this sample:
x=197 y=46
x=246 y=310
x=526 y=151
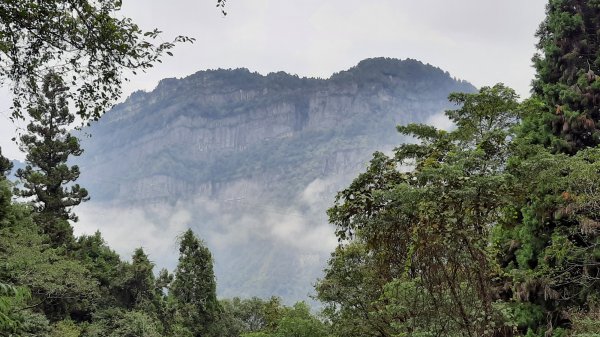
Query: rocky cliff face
x=257 y=155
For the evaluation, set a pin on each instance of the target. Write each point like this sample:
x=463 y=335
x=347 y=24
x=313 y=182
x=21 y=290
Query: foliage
x=5 y=195
x=48 y=146
x=492 y=231
x=65 y=328
x=547 y=244
x=194 y=286
x=5 y=166
x=299 y=322
x=567 y=80
x=30 y=262
x=116 y=322
x=11 y=299
x=425 y=231
x=350 y=288
x=86 y=43
x=548 y=248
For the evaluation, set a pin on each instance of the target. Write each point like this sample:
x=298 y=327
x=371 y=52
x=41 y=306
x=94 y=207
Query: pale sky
x=481 y=41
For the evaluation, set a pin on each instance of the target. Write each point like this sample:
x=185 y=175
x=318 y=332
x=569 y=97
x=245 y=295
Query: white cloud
x=440 y=121
x=484 y=42
x=226 y=225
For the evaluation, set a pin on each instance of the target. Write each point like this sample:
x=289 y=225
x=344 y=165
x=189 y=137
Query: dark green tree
x=350 y=289
x=143 y=281
x=47 y=177
x=103 y=262
x=5 y=194
x=567 y=79
x=547 y=242
x=194 y=286
x=137 y=283
x=5 y=166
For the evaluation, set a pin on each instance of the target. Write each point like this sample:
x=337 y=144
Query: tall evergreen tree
x=143 y=278
x=194 y=286
x=47 y=177
x=567 y=79
x=548 y=242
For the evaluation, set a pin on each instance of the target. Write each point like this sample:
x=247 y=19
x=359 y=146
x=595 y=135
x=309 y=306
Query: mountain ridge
x=251 y=162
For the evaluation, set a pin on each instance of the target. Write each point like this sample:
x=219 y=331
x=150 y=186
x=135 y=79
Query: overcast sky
x=482 y=41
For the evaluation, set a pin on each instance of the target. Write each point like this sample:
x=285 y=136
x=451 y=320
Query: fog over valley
x=251 y=163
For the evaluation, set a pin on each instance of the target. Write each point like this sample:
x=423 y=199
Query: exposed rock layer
x=257 y=145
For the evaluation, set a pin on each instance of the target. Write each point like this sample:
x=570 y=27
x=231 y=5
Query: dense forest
x=490 y=229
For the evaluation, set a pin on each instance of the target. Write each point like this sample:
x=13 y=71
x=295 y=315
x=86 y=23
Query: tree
x=135 y=286
x=11 y=298
x=426 y=231
x=5 y=195
x=84 y=42
x=350 y=289
x=547 y=244
x=116 y=322
x=567 y=79
x=49 y=145
x=299 y=322
x=194 y=286
x=143 y=282
x=5 y=166
x=59 y=285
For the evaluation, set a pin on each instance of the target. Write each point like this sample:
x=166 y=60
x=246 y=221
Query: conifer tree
x=5 y=195
x=547 y=247
x=567 y=79
x=5 y=166
x=141 y=284
x=194 y=286
x=47 y=177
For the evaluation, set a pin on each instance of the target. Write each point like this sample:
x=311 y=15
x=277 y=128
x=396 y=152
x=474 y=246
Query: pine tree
x=567 y=79
x=47 y=177
x=194 y=286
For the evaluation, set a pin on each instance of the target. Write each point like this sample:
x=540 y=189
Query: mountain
x=250 y=162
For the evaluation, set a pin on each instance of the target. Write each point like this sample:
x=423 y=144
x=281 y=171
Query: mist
x=251 y=237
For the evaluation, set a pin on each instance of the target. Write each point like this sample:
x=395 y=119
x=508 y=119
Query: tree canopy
x=85 y=42
x=48 y=146
x=567 y=80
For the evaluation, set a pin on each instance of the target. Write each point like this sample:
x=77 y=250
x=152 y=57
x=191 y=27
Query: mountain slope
x=251 y=162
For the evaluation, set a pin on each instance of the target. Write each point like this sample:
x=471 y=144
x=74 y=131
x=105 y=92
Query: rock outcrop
x=263 y=149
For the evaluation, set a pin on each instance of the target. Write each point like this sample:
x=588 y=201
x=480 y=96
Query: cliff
x=255 y=160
